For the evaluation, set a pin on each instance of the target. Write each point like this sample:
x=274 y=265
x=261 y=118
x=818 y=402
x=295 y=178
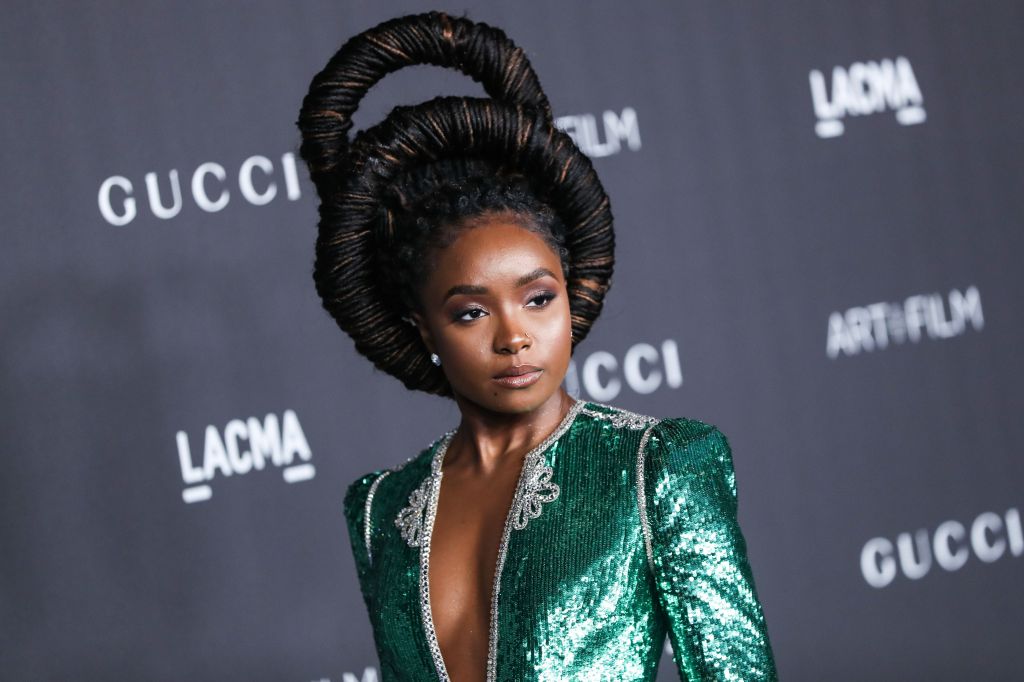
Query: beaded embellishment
x=620 y=417
x=367 y=510
x=537 y=489
x=641 y=495
x=410 y=519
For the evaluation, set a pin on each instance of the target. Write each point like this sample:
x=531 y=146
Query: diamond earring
x=434 y=358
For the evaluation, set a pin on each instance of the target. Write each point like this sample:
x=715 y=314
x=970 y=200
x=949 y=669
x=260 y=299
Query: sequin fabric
x=625 y=533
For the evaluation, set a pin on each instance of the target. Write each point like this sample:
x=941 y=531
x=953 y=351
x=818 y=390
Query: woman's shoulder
x=614 y=417
x=362 y=489
x=679 y=427
x=676 y=443
x=678 y=453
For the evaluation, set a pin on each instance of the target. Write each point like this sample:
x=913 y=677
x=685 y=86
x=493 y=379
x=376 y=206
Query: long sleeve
x=698 y=554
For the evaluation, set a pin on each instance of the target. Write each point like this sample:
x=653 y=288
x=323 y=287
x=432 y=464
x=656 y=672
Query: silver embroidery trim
x=434 y=483
x=537 y=489
x=620 y=417
x=533 y=487
x=367 y=521
x=410 y=518
x=641 y=496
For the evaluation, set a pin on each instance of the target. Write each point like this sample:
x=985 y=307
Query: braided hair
x=399 y=190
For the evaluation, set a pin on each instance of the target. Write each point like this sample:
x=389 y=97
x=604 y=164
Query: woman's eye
x=543 y=299
x=471 y=314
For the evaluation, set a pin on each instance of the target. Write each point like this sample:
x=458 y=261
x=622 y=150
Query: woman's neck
x=485 y=437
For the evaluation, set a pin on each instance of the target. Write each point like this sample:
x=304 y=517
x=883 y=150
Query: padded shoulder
x=697 y=450
x=359 y=502
x=356 y=493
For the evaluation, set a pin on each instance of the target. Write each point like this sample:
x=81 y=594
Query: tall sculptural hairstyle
x=375 y=187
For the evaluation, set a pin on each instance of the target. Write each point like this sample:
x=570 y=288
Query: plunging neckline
x=533 y=487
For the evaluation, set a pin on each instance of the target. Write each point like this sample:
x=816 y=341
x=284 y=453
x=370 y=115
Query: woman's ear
x=424 y=330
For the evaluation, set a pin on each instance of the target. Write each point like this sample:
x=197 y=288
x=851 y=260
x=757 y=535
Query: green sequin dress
x=622 y=529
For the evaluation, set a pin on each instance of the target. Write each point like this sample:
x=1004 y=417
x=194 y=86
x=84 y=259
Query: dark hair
x=405 y=186
x=432 y=205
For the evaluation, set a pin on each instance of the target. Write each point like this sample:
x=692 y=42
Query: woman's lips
x=520 y=380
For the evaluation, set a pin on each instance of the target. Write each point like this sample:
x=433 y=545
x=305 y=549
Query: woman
x=466 y=245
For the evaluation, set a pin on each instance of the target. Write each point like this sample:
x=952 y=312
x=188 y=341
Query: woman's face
x=495 y=303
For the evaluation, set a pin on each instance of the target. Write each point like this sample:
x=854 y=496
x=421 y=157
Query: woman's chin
x=515 y=400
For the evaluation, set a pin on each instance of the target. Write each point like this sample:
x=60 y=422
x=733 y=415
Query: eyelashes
x=546 y=296
x=461 y=316
x=475 y=313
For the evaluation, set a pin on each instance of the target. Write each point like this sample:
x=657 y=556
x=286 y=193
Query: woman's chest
x=472 y=509
x=553 y=568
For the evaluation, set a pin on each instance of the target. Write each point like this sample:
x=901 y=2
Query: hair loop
x=402 y=183
x=478 y=50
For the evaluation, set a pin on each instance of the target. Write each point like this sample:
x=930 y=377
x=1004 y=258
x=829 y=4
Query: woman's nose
x=511 y=338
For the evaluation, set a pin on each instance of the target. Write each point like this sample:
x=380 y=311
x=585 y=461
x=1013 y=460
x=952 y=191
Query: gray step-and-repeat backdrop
x=819 y=213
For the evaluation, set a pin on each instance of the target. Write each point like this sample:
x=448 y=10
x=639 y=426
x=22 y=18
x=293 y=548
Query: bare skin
x=514 y=311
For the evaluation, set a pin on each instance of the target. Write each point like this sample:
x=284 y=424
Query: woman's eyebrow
x=471 y=289
x=536 y=274
x=464 y=289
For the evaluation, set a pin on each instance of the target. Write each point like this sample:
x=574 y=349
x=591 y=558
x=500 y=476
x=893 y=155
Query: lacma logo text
x=866 y=88
x=272 y=441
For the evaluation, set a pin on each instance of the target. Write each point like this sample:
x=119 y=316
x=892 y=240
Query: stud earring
x=436 y=359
